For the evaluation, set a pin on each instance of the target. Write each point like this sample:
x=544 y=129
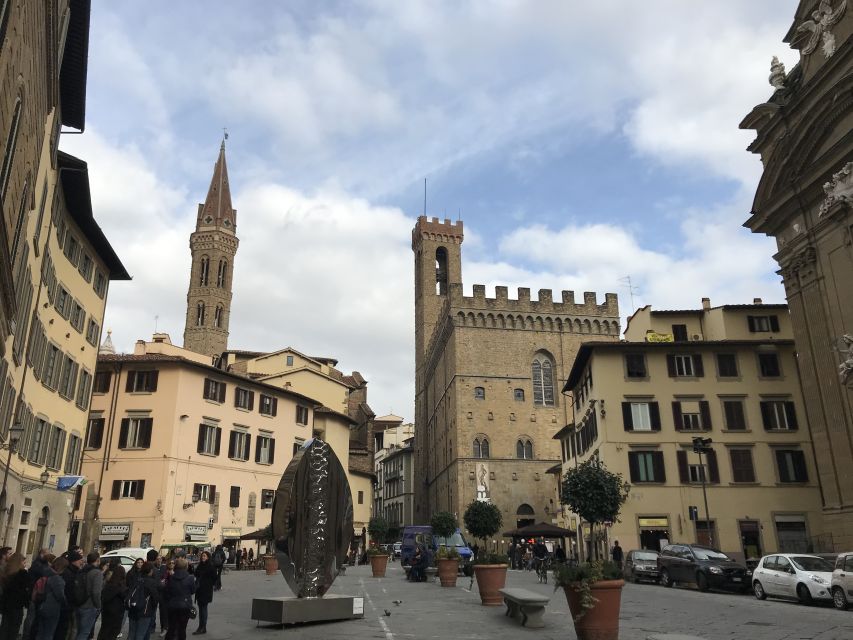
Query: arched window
x=204 y=271
x=543 y=380
x=217 y=317
x=441 y=271
x=524 y=516
x=518 y=394
x=524 y=449
x=220 y=273
x=479 y=393
x=481 y=447
x=199 y=316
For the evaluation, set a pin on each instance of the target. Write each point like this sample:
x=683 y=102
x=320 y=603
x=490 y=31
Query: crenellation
x=546 y=296
x=433 y=229
x=501 y=295
x=568 y=297
x=480 y=293
x=524 y=295
x=590 y=299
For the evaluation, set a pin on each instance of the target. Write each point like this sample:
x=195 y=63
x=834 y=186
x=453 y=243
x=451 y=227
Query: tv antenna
x=631 y=290
x=425 y=197
x=156 y=320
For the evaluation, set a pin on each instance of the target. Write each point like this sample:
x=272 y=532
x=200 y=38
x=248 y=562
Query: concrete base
x=290 y=610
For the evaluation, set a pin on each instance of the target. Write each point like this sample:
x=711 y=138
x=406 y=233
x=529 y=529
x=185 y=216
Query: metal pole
x=3 y=490
x=705 y=496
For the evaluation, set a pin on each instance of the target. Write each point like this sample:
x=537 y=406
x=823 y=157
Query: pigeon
x=397 y=602
x=387 y=612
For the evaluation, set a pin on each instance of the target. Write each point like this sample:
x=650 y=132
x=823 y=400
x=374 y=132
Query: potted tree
x=447 y=557
x=594 y=588
x=483 y=520
x=378 y=529
x=270 y=559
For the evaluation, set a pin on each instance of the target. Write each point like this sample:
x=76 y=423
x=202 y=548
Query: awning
x=260 y=534
x=540 y=530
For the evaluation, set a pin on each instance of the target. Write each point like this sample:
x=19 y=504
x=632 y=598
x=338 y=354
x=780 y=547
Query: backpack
x=137 y=600
x=218 y=558
x=38 y=594
x=79 y=590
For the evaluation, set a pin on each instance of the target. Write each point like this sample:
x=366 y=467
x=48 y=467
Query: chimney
x=757 y=301
x=706 y=304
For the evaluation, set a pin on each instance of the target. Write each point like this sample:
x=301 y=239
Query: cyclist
x=540 y=557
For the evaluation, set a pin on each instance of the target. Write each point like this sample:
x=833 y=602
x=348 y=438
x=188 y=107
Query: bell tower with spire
x=213 y=246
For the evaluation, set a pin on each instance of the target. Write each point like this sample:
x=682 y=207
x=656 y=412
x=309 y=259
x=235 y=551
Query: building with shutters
x=727 y=373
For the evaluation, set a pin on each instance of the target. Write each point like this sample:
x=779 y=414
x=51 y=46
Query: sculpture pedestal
x=290 y=610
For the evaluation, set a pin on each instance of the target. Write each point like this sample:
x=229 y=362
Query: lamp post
x=15 y=432
x=700 y=446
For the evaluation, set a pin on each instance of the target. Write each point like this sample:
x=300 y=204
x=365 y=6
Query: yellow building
x=725 y=373
x=56 y=263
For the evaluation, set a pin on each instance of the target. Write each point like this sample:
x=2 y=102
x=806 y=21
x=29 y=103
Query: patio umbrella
x=540 y=530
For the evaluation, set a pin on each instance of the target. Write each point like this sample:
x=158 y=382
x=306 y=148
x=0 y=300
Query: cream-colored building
x=726 y=373
x=390 y=434
x=56 y=263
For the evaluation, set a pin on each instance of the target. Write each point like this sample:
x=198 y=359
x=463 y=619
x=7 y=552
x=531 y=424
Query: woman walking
x=16 y=596
x=179 y=596
x=54 y=601
x=112 y=603
x=205 y=575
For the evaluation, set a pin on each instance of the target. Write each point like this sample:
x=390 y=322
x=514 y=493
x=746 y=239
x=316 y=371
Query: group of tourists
x=528 y=556
x=64 y=597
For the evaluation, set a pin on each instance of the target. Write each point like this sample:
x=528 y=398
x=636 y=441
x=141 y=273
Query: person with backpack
x=205 y=575
x=141 y=603
x=49 y=598
x=218 y=562
x=87 y=595
x=40 y=568
x=158 y=573
x=179 y=595
x=69 y=575
x=112 y=603
x=16 y=596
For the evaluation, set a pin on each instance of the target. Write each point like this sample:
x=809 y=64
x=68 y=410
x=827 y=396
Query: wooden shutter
x=234 y=500
x=677 y=418
x=634 y=466
x=258 y=450
x=140 y=489
x=683 y=473
x=218 y=440
x=670 y=364
x=791 y=415
x=145 y=432
x=742 y=469
x=654 y=414
x=698 y=368
x=801 y=473
x=713 y=468
x=196 y=490
x=221 y=392
x=751 y=321
x=201 y=429
x=767 y=415
x=774 y=323
x=272 y=450
x=251 y=400
x=206 y=393
x=152 y=380
x=116 y=489
x=248 y=446
x=659 y=468
x=122 y=434
x=734 y=414
x=131 y=376
x=212 y=496
x=274 y=406
x=780 y=464
x=705 y=412
x=627 y=418
x=96 y=435
x=232 y=442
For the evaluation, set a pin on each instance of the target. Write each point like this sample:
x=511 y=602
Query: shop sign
x=653 y=336
x=115 y=531
x=231 y=532
x=662 y=523
x=195 y=531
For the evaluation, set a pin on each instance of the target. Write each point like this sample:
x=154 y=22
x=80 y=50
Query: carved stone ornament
x=818 y=29
x=845 y=369
x=777 y=74
x=839 y=190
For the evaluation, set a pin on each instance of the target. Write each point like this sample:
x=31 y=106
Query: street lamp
x=28 y=486
x=195 y=498
x=15 y=432
x=700 y=446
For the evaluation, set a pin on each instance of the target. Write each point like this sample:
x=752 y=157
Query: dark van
x=422 y=534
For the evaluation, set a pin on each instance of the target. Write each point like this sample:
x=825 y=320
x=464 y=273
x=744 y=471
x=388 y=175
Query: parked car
x=398 y=549
x=842 y=581
x=641 y=565
x=706 y=567
x=792 y=575
x=126 y=555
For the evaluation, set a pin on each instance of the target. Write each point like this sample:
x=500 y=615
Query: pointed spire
x=217 y=209
x=107 y=345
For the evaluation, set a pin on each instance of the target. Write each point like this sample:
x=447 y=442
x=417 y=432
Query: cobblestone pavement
x=429 y=611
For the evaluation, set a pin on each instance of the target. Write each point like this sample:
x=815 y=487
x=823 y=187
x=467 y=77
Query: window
x=267 y=497
x=204 y=271
x=268 y=405
x=63 y=302
x=221 y=273
x=199 y=314
x=38 y=448
x=239 y=444
x=792 y=465
x=646 y=466
x=763 y=324
x=742 y=468
x=265 y=449
x=209 y=438
x=67 y=378
x=524 y=449
x=691 y=415
x=84 y=389
x=78 y=316
x=301 y=415
x=689 y=472
x=697 y=473
x=735 y=415
x=543 y=380
x=214 y=390
x=768 y=365
x=141 y=381
x=205 y=492
x=361 y=497
x=12 y=139
x=234 y=498
x=72 y=457
x=481 y=447
x=134 y=489
x=479 y=393
x=71 y=249
x=289 y=361
x=135 y=432
x=779 y=414
x=244 y=399
x=635 y=365
x=641 y=416
x=86 y=267
x=684 y=365
x=102 y=382
x=55 y=447
x=52 y=361
x=518 y=395
x=297 y=445
x=217 y=317
x=100 y=283
x=727 y=365
x=95 y=432
x=92 y=332
x=679 y=332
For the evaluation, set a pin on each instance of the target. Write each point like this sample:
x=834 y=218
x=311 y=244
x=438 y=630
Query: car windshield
x=645 y=555
x=709 y=554
x=456 y=540
x=811 y=563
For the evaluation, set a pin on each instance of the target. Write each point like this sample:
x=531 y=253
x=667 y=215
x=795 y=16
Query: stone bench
x=526 y=604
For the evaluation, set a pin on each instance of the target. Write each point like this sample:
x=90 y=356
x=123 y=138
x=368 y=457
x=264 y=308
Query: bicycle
x=542 y=567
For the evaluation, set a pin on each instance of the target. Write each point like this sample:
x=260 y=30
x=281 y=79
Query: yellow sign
x=654 y=522
x=652 y=336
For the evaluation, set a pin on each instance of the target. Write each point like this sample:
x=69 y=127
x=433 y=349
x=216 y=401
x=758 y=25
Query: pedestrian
x=16 y=596
x=158 y=576
x=112 y=603
x=141 y=603
x=251 y=556
x=133 y=573
x=238 y=559
x=40 y=568
x=49 y=597
x=218 y=560
x=205 y=575
x=69 y=575
x=616 y=553
x=179 y=595
x=93 y=583
x=475 y=550
x=560 y=554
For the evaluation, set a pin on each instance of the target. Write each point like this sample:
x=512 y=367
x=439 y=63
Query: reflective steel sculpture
x=312 y=519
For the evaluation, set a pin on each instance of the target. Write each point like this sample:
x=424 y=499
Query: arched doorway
x=524 y=516
x=41 y=530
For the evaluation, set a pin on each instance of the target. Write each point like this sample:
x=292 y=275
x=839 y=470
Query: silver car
x=842 y=581
x=792 y=575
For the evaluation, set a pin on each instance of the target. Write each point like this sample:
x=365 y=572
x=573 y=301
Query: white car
x=126 y=556
x=793 y=575
x=842 y=581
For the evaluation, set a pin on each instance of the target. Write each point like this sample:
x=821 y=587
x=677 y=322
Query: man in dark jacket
x=66 y=613
x=158 y=579
x=40 y=568
x=179 y=595
x=88 y=612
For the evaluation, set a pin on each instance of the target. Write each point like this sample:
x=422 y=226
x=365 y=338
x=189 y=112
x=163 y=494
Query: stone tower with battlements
x=488 y=375
x=213 y=246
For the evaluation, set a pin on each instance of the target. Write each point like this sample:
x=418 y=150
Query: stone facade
x=804 y=201
x=487 y=402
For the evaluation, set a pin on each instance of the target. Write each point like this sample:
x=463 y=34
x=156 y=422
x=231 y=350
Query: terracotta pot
x=448 y=569
x=602 y=621
x=271 y=565
x=490 y=579
x=378 y=564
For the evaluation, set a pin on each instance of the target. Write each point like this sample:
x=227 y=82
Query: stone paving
x=429 y=611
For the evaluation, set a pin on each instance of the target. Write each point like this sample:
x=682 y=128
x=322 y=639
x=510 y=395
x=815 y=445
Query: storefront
x=654 y=532
x=195 y=532
x=114 y=535
x=231 y=536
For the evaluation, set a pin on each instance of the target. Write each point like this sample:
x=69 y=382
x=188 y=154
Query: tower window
x=524 y=449
x=479 y=393
x=199 y=317
x=481 y=447
x=220 y=273
x=543 y=380
x=217 y=317
x=204 y=273
x=441 y=271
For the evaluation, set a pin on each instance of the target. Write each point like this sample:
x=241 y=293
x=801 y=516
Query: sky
x=580 y=142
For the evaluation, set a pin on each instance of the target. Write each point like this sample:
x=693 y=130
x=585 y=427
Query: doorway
x=524 y=516
x=750 y=539
x=654 y=532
